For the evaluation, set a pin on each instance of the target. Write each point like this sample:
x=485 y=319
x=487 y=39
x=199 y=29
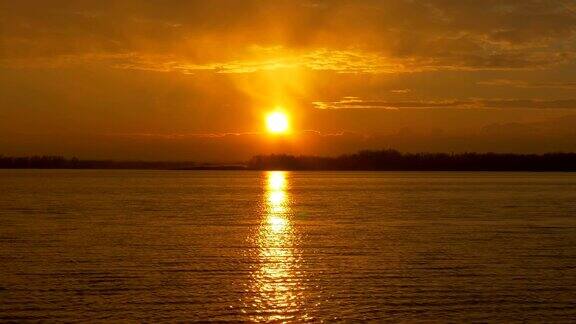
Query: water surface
x=287 y=246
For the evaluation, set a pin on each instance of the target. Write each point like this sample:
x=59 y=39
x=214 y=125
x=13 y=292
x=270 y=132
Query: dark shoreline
x=383 y=160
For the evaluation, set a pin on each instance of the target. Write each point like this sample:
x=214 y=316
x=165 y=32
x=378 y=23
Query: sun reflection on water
x=276 y=282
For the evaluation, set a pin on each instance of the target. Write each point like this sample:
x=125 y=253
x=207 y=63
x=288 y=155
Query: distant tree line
x=384 y=160
x=392 y=160
x=59 y=162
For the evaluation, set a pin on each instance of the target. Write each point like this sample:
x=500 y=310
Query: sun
x=277 y=122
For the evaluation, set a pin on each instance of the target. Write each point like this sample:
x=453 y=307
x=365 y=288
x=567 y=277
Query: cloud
x=276 y=58
x=234 y=36
x=565 y=85
x=356 y=103
x=400 y=91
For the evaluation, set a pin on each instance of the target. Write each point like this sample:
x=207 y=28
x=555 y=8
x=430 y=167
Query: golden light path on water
x=276 y=283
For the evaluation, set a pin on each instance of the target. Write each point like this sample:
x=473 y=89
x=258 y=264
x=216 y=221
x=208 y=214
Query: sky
x=194 y=80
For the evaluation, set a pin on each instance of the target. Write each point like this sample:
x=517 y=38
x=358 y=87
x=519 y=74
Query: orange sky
x=192 y=80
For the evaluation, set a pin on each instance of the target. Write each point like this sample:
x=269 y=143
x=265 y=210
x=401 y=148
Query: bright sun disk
x=277 y=122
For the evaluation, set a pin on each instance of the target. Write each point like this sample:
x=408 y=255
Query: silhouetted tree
x=390 y=160
x=393 y=160
x=58 y=162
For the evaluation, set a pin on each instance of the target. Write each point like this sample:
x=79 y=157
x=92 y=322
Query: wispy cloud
x=364 y=36
x=568 y=85
x=316 y=60
x=357 y=103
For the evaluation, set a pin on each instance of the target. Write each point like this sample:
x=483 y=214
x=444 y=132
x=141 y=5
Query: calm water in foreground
x=287 y=246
